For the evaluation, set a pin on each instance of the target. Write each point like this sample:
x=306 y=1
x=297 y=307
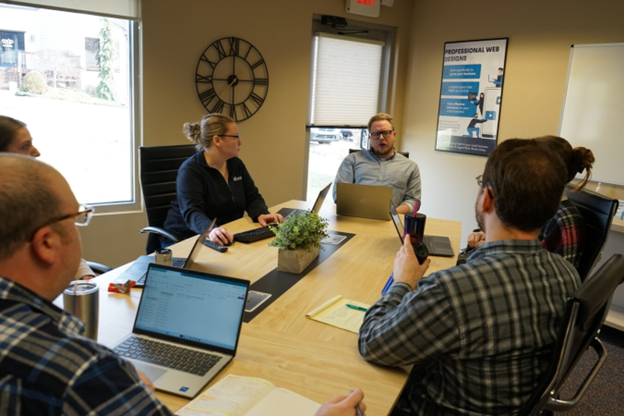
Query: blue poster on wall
x=471 y=93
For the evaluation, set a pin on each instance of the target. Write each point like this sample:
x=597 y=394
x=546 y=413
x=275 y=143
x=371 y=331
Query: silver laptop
x=186 y=329
x=436 y=245
x=366 y=201
x=138 y=270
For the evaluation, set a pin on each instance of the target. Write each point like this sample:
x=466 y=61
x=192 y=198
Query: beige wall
x=540 y=34
x=274 y=141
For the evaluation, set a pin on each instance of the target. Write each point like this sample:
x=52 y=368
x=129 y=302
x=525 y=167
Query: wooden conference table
x=310 y=358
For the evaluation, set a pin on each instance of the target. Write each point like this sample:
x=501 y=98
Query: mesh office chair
x=597 y=211
x=586 y=310
x=406 y=154
x=158 y=171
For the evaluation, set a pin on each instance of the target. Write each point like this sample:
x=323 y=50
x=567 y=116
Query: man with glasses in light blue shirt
x=382 y=165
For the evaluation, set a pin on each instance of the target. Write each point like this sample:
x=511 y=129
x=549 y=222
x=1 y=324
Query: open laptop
x=186 y=329
x=138 y=270
x=285 y=212
x=437 y=245
x=261 y=233
x=367 y=201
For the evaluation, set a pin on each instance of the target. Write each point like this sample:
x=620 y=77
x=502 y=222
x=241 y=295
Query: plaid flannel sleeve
x=110 y=386
x=406 y=327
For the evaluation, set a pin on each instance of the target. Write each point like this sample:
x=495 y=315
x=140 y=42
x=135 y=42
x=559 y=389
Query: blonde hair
x=380 y=117
x=202 y=133
x=576 y=159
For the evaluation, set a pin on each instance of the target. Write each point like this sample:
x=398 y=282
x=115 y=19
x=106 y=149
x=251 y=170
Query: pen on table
x=357 y=406
x=357 y=308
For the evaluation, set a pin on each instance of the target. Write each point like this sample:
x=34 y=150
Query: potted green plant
x=299 y=240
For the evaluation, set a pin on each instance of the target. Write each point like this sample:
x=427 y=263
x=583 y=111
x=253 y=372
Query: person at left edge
x=214 y=183
x=15 y=138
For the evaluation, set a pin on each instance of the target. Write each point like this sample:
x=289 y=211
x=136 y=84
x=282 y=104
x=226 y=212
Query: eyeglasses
x=481 y=183
x=237 y=137
x=81 y=218
x=378 y=134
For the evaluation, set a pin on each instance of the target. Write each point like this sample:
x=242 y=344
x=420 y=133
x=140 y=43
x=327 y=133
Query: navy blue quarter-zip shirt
x=203 y=194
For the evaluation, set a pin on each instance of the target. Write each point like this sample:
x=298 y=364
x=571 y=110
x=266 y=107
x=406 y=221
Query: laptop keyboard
x=435 y=246
x=167 y=355
x=175 y=262
x=254 y=235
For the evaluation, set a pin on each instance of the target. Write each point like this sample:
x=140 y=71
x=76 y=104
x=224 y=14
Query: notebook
x=368 y=201
x=315 y=208
x=437 y=245
x=248 y=396
x=137 y=271
x=198 y=315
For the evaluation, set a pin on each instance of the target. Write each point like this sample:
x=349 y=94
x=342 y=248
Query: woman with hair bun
x=214 y=183
x=565 y=232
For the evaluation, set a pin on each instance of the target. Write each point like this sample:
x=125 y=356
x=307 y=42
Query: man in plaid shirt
x=480 y=335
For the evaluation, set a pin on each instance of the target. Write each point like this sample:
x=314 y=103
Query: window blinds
x=346 y=80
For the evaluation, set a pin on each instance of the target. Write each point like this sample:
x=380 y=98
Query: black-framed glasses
x=377 y=135
x=483 y=184
x=237 y=136
x=81 y=218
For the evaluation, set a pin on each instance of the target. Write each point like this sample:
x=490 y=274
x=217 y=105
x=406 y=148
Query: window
x=10 y=44
x=92 y=51
x=346 y=80
x=347 y=89
x=84 y=124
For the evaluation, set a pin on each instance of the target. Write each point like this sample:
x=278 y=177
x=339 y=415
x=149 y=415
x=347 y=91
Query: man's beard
x=479 y=216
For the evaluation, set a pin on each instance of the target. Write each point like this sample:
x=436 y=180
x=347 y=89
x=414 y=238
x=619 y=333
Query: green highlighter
x=357 y=308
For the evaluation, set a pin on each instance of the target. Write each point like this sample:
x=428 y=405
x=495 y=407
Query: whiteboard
x=593 y=107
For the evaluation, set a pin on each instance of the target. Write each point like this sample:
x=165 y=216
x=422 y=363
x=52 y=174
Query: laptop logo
x=183 y=389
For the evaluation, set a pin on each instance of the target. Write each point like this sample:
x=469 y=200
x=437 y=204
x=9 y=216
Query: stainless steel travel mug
x=81 y=299
x=164 y=256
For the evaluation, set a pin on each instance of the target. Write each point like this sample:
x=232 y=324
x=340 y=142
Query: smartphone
x=255 y=299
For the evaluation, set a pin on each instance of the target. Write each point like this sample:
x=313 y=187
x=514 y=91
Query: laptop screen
x=192 y=306
x=397 y=222
x=320 y=199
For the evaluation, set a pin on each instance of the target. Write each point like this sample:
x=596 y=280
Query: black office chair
x=597 y=211
x=586 y=310
x=159 y=170
x=406 y=154
x=98 y=268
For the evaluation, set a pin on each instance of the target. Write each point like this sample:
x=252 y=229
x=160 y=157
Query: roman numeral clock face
x=232 y=78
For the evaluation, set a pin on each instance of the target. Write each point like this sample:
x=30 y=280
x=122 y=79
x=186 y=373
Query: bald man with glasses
x=382 y=165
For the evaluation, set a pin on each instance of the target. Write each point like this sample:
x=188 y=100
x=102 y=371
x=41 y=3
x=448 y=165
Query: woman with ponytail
x=214 y=183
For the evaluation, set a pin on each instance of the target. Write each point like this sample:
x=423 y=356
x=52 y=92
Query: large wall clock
x=232 y=78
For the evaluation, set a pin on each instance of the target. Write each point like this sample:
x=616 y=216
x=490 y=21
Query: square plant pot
x=295 y=261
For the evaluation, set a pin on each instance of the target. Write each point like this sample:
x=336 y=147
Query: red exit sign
x=364 y=7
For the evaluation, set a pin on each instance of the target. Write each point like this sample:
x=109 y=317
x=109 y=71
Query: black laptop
x=437 y=245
